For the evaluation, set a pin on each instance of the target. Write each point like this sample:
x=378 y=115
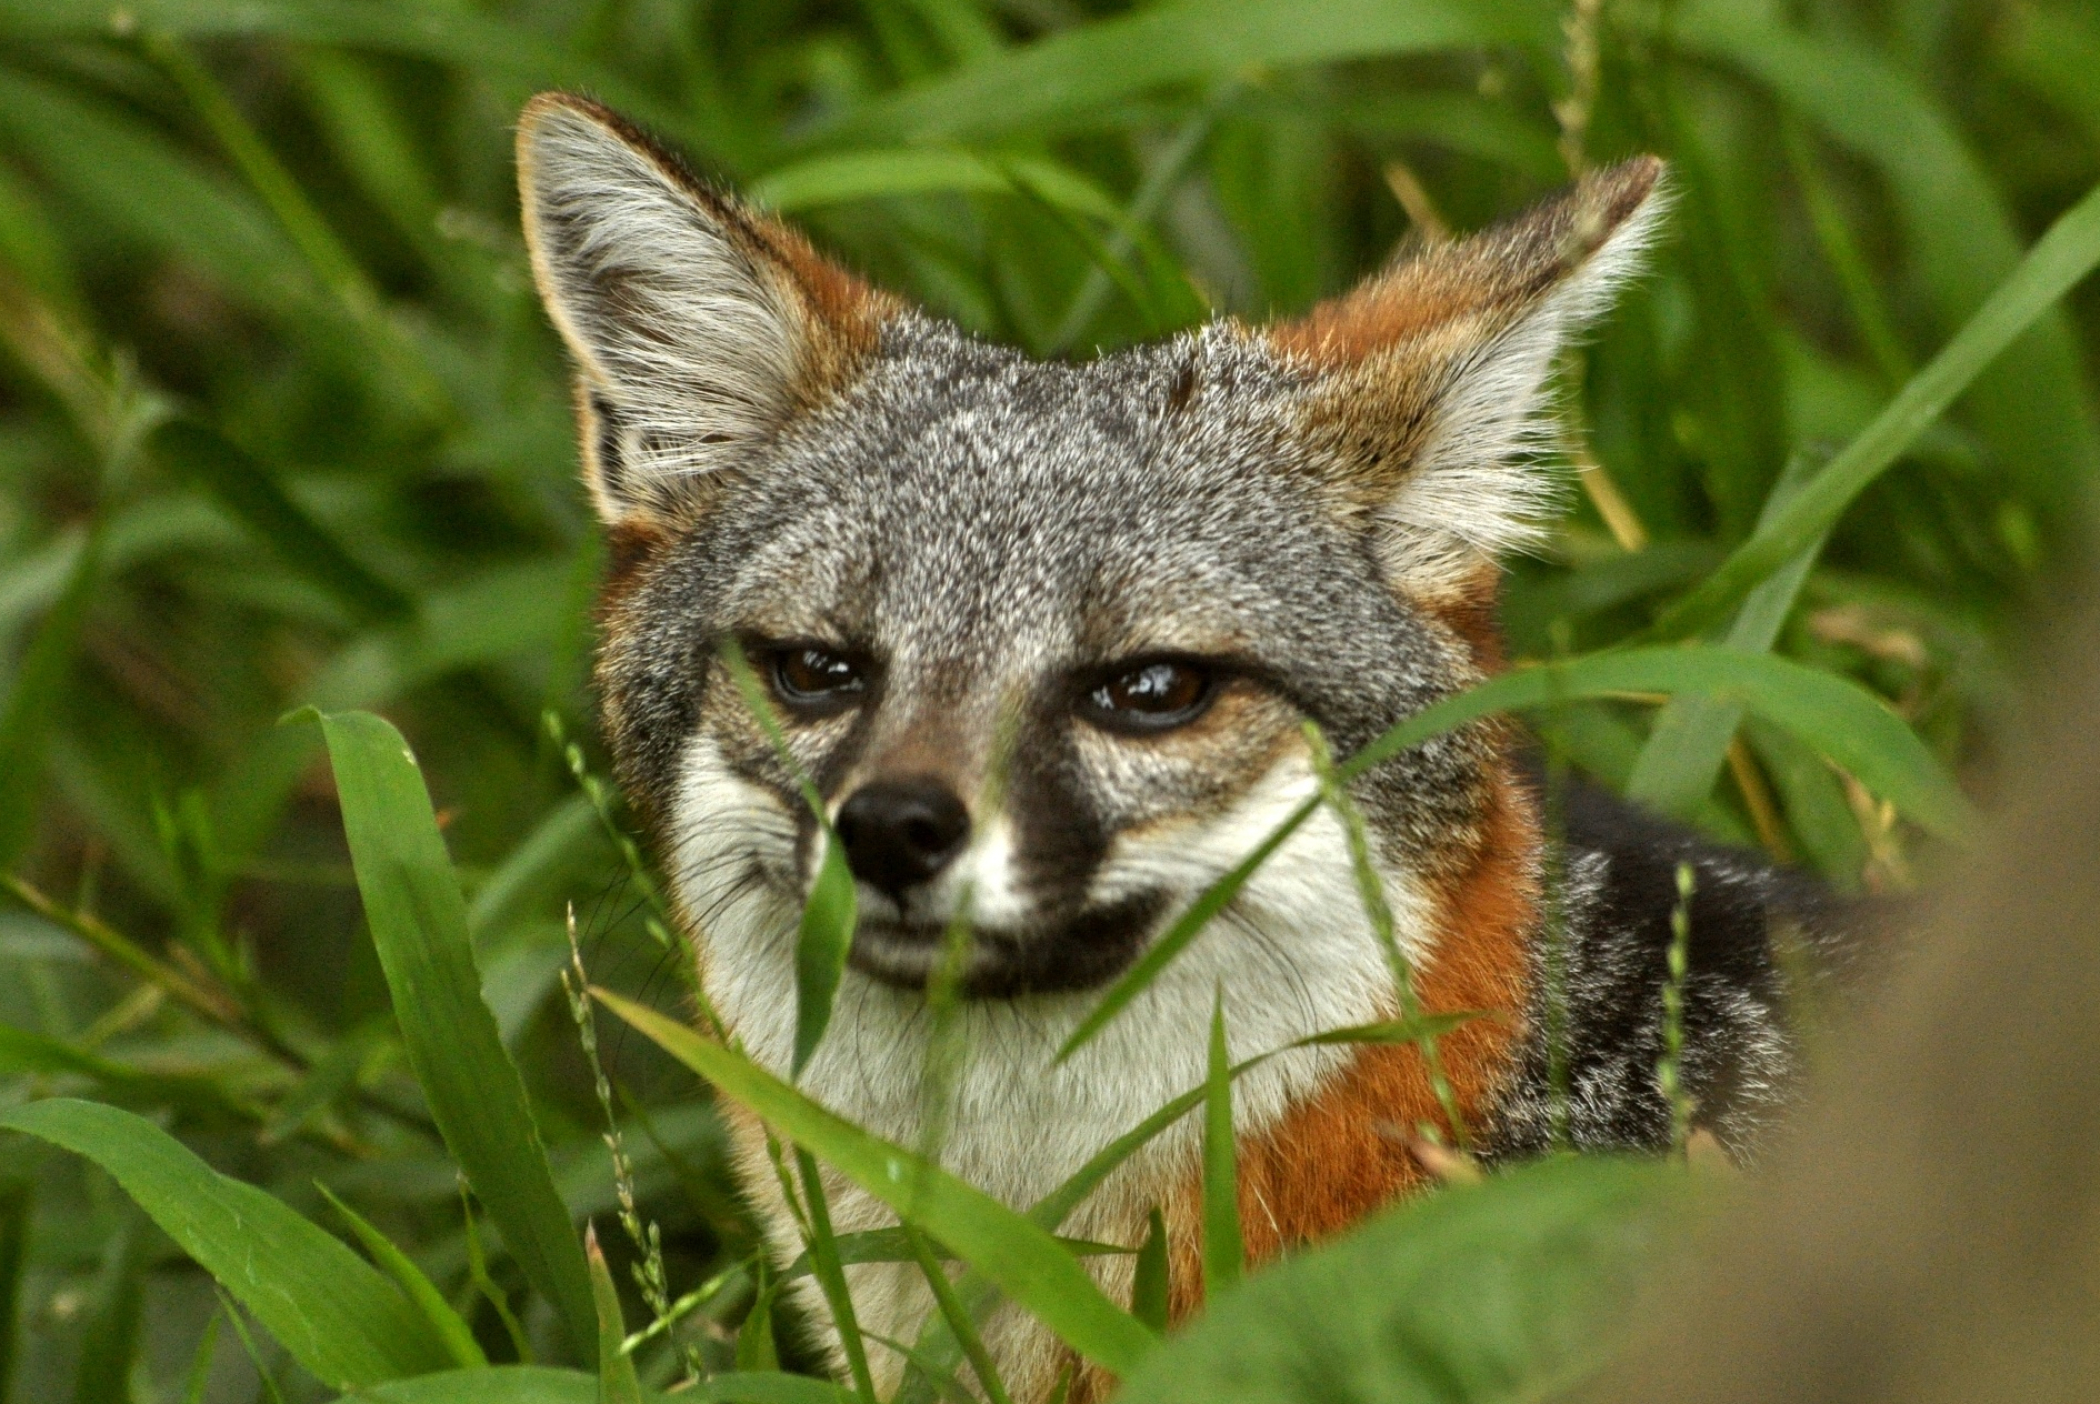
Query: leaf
x=1223 y=1253
x=1021 y=1258
x=831 y=913
x=419 y=926
x=616 y=1380
x=566 y=837
x=109 y=1340
x=1169 y=943
x=959 y=1322
x=1688 y=744
x=22 y=1051
x=536 y=1384
x=33 y=701
x=2032 y=405
x=765 y=1387
x=1835 y=715
x=16 y=1197
x=335 y=1313
x=454 y=1332
x=835 y=178
x=469 y=42
x=755 y=1346
x=820 y=948
x=1395 y=1030
x=1150 y=1285
x=250 y=493
x=893 y=1245
x=1089 y=67
x=504 y=1384
x=1503 y=1290
x=831 y=1275
x=2056 y=264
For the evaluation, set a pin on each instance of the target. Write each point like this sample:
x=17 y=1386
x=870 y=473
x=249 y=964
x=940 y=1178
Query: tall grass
x=282 y=425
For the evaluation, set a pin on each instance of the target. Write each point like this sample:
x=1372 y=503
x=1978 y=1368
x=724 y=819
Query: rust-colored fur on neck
x=1343 y=1155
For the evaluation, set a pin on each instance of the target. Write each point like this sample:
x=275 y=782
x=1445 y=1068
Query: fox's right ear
x=699 y=328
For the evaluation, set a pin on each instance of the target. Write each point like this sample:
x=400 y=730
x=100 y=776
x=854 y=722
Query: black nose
x=898 y=833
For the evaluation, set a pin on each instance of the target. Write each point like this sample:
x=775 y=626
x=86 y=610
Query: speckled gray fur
x=980 y=521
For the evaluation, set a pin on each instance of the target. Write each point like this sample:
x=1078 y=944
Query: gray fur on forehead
x=961 y=502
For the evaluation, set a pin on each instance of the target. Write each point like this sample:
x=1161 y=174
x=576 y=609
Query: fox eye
x=816 y=681
x=1155 y=696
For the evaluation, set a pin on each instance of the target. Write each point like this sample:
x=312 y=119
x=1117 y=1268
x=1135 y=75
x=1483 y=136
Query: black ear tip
x=1617 y=191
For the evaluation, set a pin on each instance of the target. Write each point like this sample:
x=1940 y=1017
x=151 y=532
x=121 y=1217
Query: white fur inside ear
x=1482 y=488
x=688 y=348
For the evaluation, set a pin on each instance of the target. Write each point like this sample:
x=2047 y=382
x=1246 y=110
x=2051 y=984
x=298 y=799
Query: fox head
x=1043 y=635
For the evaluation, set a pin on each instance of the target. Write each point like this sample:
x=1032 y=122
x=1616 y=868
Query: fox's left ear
x=1429 y=404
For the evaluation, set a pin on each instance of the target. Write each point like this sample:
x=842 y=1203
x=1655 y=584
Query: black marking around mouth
x=1080 y=953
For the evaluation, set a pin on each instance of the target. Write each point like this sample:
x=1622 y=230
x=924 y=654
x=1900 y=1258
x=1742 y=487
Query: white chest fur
x=1293 y=956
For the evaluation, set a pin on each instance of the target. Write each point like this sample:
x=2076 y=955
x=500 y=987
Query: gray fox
x=1136 y=577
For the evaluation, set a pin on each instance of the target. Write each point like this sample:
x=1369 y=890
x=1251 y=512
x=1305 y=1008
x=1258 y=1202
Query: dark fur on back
x=1757 y=935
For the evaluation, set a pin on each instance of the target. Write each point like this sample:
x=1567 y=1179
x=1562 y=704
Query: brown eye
x=1151 y=697
x=816 y=679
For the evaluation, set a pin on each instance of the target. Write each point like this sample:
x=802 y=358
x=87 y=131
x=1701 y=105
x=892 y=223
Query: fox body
x=1044 y=636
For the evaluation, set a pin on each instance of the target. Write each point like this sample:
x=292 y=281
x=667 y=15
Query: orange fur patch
x=1476 y=283
x=1342 y=1154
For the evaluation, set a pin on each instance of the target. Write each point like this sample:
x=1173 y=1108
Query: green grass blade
x=330 y=261
x=2033 y=405
x=419 y=925
x=765 y=1387
x=1174 y=939
x=755 y=1347
x=1224 y=1254
x=821 y=945
x=16 y=1198
x=894 y=1245
x=1814 y=800
x=2056 y=52
x=199 y=1377
x=865 y=175
x=829 y=917
x=831 y=1276
x=565 y=836
x=1395 y=1030
x=22 y=1051
x=472 y=43
x=1496 y=1291
x=616 y=1379
x=1017 y=1255
x=109 y=1342
x=1835 y=715
x=502 y=1384
x=100 y=161
x=1055 y=1207
x=33 y=702
x=1094 y=65
x=957 y=1318
x=458 y=1337
x=2057 y=263
x=1151 y=1283
x=1688 y=744
x=247 y=490
x=339 y=1318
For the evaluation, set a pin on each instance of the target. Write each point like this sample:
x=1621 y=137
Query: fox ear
x=1429 y=406
x=698 y=327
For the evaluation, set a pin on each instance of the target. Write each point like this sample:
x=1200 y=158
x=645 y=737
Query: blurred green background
x=290 y=228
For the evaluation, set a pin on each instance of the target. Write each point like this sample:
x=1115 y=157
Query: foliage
x=282 y=425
